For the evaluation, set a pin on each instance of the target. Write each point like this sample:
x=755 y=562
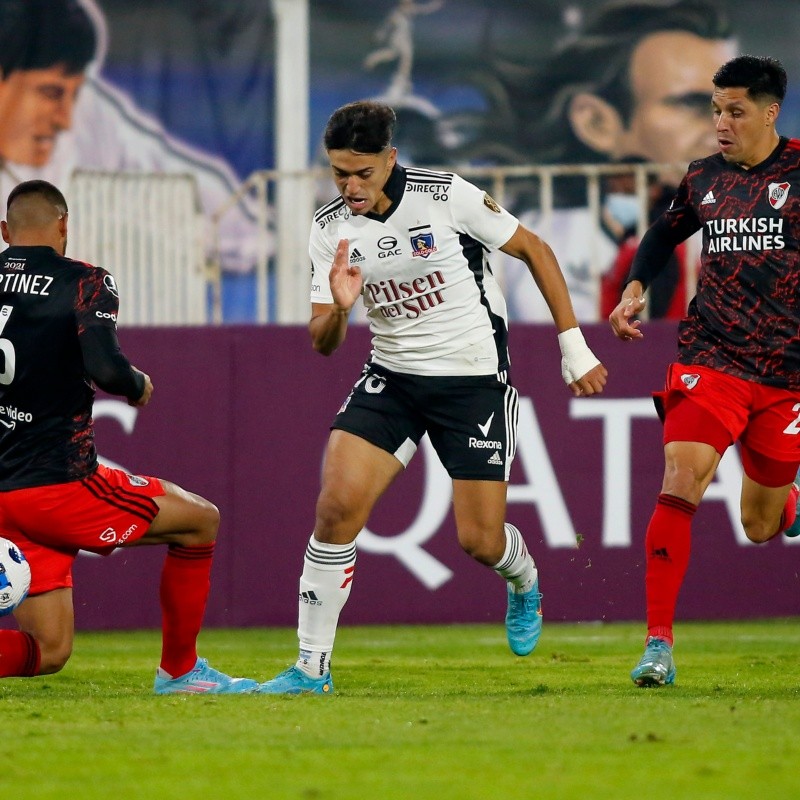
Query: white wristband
x=576 y=357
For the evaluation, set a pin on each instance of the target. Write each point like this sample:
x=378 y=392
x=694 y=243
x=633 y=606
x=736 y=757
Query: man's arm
x=110 y=369
x=581 y=370
x=328 y=325
x=651 y=257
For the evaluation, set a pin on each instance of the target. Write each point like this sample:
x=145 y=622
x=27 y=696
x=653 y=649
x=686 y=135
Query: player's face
x=670 y=79
x=745 y=127
x=360 y=178
x=35 y=106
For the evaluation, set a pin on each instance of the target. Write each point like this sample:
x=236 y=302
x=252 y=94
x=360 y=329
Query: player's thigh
x=383 y=408
x=479 y=508
x=689 y=468
x=771 y=440
x=762 y=503
x=183 y=518
x=472 y=424
x=355 y=474
x=98 y=513
x=50 y=619
x=700 y=404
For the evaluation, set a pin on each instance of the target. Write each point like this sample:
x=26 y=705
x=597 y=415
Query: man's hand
x=623 y=318
x=146 y=393
x=345 y=278
x=592 y=382
x=580 y=367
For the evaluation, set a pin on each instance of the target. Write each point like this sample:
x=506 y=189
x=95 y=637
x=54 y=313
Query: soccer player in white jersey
x=412 y=243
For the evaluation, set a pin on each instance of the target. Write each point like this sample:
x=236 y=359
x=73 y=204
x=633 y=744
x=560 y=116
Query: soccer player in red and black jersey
x=57 y=337
x=738 y=372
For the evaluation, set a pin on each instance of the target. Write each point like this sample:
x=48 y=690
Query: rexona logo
x=485 y=444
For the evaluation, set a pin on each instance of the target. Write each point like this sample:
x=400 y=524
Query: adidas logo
x=708 y=199
x=310 y=598
x=495 y=459
x=356 y=257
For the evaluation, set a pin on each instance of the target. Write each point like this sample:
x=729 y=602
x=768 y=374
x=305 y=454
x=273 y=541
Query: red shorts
x=701 y=404
x=99 y=513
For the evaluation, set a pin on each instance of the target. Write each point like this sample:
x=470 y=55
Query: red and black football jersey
x=47 y=303
x=745 y=317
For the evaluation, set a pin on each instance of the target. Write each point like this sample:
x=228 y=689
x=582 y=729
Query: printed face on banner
x=36 y=105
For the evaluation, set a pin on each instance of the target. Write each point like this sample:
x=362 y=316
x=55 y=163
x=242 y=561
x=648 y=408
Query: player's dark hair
x=763 y=77
x=39 y=34
x=44 y=189
x=364 y=127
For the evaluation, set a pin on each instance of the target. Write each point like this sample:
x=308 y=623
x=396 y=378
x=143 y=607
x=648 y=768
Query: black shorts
x=471 y=420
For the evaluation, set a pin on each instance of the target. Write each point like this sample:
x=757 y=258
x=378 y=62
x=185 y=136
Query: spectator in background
x=632 y=82
x=620 y=218
x=57 y=114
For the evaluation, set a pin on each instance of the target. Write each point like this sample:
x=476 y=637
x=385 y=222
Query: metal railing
x=147 y=230
x=286 y=202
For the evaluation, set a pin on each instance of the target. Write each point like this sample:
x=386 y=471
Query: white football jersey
x=433 y=305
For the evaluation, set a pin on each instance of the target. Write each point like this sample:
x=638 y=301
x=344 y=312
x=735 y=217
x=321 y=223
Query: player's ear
x=4 y=231
x=773 y=109
x=596 y=123
x=62 y=224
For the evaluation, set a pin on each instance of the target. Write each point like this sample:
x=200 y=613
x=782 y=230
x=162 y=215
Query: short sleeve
x=97 y=301
x=321 y=253
x=475 y=212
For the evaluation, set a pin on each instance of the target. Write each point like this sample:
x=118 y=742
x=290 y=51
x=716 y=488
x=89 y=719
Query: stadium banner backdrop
x=205 y=70
x=241 y=415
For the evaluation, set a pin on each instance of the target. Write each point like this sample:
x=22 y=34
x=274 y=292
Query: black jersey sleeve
x=107 y=365
x=674 y=226
x=653 y=253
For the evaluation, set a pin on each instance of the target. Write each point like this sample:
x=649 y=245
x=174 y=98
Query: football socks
x=667 y=543
x=516 y=565
x=19 y=655
x=185 y=583
x=324 y=588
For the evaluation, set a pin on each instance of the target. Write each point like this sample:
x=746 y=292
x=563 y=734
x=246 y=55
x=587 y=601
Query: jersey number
x=792 y=427
x=7 y=349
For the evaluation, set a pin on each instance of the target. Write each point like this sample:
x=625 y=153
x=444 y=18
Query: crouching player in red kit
x=58 y=329
x=738 y=371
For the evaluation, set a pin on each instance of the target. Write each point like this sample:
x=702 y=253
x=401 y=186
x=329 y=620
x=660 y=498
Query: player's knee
x=336 y=517
x=207 y=523
x=481 y=546
x=54 y=655
x=757 y=529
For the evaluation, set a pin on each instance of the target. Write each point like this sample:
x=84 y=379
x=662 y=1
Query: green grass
x=419 y=712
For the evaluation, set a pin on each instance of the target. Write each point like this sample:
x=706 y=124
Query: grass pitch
x=419 y=712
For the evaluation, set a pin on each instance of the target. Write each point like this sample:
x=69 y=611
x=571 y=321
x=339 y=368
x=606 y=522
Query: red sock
x=789 y=510
x=19 y=655
x=668 y=542
x=185 y=583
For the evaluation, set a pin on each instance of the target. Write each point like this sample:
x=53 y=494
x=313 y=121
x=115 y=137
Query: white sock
x=516 y=565
x=324 y=589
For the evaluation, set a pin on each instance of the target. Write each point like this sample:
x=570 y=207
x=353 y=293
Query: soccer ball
x=15 y=577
